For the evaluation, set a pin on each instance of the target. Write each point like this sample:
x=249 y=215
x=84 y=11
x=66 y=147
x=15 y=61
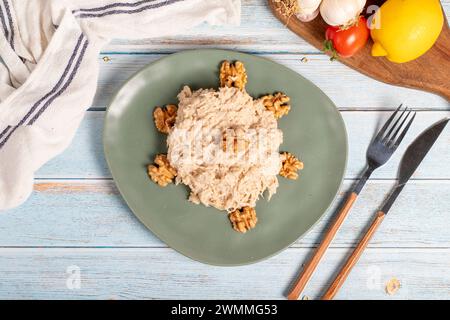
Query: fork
x=379 y=152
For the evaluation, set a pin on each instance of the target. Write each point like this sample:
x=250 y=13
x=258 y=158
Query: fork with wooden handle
x=414 y=155
x=380 y=150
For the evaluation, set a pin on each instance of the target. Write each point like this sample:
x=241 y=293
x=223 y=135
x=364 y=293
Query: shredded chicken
x=225 y=178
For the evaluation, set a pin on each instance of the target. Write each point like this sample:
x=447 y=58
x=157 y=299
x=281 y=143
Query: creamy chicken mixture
x=225 y=147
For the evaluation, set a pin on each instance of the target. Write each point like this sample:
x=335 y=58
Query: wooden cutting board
x=430 y=72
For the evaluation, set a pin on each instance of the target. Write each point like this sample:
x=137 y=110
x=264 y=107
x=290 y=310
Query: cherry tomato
x=347 y=42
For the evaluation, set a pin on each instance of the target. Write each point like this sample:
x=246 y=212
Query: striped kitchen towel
x=49 y=68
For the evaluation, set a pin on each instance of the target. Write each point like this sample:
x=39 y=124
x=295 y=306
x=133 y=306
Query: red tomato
x=347 y=42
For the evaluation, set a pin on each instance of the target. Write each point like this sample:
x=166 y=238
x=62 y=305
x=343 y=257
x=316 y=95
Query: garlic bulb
x=308 y=9
x=341 y=12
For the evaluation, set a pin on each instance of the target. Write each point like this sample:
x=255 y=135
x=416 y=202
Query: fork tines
x=397 y=130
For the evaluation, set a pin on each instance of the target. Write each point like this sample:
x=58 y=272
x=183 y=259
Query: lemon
x=403 y=30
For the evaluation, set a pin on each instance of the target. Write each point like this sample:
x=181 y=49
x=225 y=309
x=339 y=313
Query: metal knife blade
x=413 y=156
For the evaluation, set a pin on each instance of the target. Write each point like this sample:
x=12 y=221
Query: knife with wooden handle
x=414 y=155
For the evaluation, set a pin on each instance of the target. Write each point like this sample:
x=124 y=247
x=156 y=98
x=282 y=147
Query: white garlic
x=341 y=12
x=308 y=9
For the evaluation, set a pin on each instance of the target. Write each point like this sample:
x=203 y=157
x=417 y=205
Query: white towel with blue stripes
x=49 y=68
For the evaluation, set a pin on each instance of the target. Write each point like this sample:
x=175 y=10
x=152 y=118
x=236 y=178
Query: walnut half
x=243 y=219
x=290 y=166
x=165 y=117
x=162 y=172
x=233 y=75
x=278 y=104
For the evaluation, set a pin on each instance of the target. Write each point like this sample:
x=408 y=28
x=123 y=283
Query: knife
x=412 y=158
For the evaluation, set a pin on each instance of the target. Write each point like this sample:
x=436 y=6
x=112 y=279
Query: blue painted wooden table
x=76 y=226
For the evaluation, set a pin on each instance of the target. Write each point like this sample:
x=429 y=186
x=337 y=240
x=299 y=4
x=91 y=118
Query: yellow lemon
x=403 y=30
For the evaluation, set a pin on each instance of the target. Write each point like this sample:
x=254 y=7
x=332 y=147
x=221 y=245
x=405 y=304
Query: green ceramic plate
x=313 y=130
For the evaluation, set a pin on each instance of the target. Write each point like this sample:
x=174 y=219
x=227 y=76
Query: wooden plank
x=346 y=87
x=259 y=31
x=165 y=274
x=84 y=158
x=92 y=213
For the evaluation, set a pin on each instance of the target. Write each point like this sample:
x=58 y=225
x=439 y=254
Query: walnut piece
x=287 y=8
x=392 y=286
x=161 y=172
x=225 y=143
x=290 y=166
x=165 y=117
x=233 y=75
x=243 y=219
x=239 y=142
x=278 y=104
